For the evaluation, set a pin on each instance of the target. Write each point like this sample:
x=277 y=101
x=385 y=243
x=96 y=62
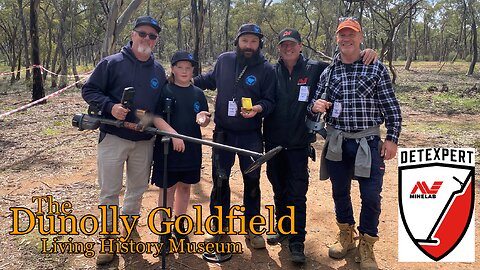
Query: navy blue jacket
x=187 y=102
x=257 y=83
x=112 y=75
x=286 y=126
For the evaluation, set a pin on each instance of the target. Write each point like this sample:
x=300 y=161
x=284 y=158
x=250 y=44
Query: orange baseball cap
x=349 y=23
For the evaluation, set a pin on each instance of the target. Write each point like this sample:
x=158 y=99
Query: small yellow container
x=247 y=103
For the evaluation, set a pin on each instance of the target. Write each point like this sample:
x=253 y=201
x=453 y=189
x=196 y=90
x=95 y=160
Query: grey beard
x=144 y=49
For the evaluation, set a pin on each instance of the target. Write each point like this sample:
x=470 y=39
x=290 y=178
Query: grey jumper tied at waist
x=332 y=150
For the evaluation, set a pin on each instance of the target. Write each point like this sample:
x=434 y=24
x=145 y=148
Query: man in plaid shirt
x=358 y=98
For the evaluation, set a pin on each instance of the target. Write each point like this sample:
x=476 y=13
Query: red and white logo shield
x=436 y=203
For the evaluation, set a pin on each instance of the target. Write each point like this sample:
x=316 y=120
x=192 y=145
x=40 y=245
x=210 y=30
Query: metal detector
x=92 y=122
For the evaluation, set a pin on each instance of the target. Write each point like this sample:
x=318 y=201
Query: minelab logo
x=302 y=81
x=250 y=80
x=425 y=191
x=436 y=204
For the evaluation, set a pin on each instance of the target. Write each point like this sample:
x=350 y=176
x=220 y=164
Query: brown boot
x=365 y=255
x=345 y=241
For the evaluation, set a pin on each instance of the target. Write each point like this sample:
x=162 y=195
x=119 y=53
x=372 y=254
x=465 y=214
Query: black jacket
x=112 y=75
x=286 y=126
x=257 y=83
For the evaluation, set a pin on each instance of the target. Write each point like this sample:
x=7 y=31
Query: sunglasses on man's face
x=145 y=34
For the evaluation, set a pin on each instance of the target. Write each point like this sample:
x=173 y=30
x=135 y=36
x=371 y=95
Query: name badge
x=232 y=108
x=303 y=94
x=337 y=109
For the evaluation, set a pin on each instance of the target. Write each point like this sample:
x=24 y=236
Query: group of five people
x=355 y=94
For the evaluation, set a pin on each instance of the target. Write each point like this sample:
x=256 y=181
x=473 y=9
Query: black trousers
x=222 y=166
x=288 y=174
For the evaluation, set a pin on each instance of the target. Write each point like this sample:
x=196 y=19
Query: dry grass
x=414 y=88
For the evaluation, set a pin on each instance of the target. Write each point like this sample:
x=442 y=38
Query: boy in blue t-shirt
x=187 y=108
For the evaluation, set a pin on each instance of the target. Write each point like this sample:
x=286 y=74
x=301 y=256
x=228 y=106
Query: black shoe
x=181 y=236
x=278 y=237
x=296 y=252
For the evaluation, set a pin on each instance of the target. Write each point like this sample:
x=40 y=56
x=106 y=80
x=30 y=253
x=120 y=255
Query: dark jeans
x=288 y=174
x=222 y=165
x=341 y=174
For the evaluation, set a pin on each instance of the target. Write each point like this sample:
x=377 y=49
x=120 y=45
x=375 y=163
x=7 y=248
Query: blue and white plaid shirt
x=366 y=96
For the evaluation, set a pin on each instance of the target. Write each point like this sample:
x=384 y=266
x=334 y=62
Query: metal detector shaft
x=90 y=122
x=153 y=130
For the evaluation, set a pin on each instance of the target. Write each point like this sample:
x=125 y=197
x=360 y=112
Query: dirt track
x=39 y=158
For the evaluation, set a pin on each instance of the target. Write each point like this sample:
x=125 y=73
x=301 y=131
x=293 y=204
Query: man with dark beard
x=245 y=84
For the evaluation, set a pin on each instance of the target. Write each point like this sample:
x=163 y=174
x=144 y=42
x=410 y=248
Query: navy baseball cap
x=289 y=34
x=249 y=28
x=183 y=56
x=147 y=20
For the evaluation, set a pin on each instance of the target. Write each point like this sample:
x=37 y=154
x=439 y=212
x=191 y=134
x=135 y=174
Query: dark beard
x=247 y=61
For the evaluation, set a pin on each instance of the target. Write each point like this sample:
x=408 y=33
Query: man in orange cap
x=297 y=78
x=358 y=99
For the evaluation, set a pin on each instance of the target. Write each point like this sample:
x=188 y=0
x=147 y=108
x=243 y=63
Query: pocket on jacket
x=366 y=86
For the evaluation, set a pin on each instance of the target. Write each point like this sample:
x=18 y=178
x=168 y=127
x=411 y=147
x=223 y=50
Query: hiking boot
x=209 y=238
x=365 y=255
x=106 y=258
x=256 y=241
x=296 y=252
x=276 y=238
x=345 y=241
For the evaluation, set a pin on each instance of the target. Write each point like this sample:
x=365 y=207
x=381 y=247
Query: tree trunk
x=198 y=15
x=408 y=62
x=19 y=66
x=471 y=69
x=54 y=65
x=72 y=41
x=390 y=48
x=50 y=41
x=179 y=30
x=63 y=54
x=116 y=24
x=227 y=18
x=38 y=91
x=24 y=37
x=425 y=37
x=210 y=31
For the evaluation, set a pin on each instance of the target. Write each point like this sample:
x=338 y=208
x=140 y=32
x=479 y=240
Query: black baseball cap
x=289 y=34
x=147 y=20
x=183 y=56
x=249 y=28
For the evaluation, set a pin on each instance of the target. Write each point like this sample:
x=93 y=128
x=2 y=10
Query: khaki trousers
x=113 y=155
